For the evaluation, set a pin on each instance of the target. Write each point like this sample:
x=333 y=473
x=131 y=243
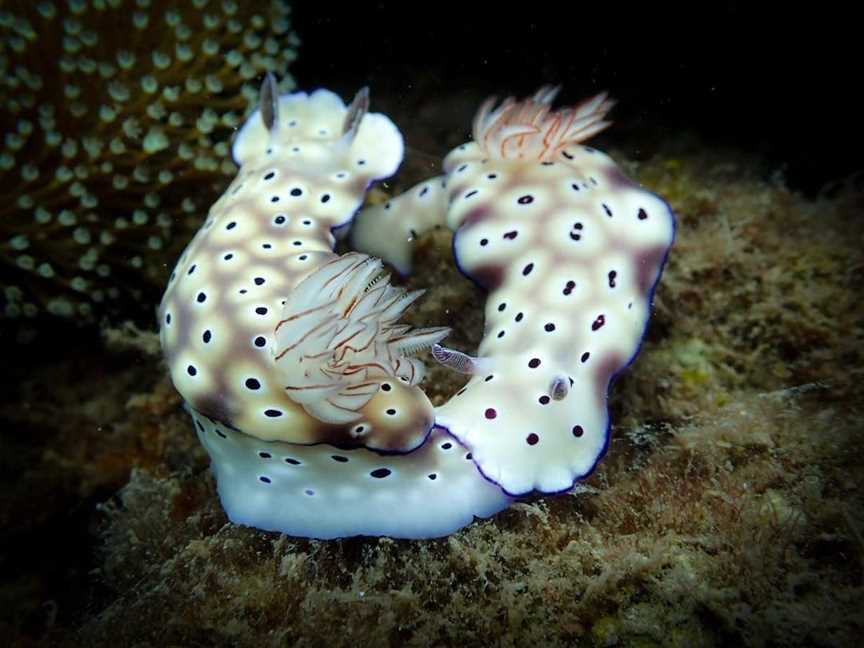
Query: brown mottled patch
x=477 y=215
x=618 y=181
x=214 y=407
x=603 y=370
x=357 y=184
x=649 y=266
x=488 y=276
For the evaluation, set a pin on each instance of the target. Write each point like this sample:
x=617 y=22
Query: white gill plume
x=531 y=130
x=339 y=337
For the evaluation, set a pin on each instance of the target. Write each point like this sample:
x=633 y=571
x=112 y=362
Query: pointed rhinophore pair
x=269 y=101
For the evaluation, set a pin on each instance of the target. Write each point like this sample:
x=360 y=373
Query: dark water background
x=762 y=77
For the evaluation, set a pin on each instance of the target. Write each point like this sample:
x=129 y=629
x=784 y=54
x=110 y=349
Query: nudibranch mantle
x=302 y=383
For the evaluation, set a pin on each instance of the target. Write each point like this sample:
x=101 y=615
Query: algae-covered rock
x=727 y=511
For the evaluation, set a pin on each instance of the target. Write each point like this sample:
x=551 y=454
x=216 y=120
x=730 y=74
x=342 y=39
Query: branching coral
x=116 y=117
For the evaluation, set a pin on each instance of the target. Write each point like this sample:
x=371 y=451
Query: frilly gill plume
x=531 y=130
x=339 y=337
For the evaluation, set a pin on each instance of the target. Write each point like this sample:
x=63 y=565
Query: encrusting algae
x=112 y=146
x=725 y=513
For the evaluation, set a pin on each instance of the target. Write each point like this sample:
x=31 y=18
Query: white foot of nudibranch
x=325 y=492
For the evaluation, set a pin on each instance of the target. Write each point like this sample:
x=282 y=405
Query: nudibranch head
x=319 y=133
x=530 y=130
x=339 y=343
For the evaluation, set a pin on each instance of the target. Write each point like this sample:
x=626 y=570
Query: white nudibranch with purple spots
x=302 y=382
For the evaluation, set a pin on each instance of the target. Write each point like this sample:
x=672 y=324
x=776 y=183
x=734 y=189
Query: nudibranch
x=303 y=385
x=301 y=381
x=570 y=251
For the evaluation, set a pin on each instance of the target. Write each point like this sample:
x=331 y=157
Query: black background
x=761 y=77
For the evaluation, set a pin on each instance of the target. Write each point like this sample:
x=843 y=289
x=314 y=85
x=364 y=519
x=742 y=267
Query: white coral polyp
x=339 y=337
x=530 y=130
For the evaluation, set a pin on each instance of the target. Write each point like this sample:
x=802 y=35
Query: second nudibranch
x=570 y=251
